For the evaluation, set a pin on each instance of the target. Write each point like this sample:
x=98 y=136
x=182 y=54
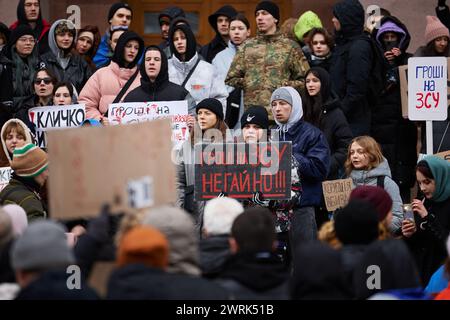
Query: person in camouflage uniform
x=268 y=61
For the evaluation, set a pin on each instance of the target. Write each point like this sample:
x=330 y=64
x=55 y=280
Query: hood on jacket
x=5 y=30
x=319 y=274
x=306 y=23
x=172 y=13
x=52 y=36
x=440 y=169
x=360 y=176
x=393 y=24
x=191 y=43
x=28 y=136
x=227 y=11
x=258 y=271
x=325 y=82
x=163 y=75
x=351 y=16
x=22 y=17
x=296 y=111
x=120 y=49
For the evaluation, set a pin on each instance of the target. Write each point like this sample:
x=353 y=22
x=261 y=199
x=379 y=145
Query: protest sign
x=336 y=193
x=427 y=88
x=444 y=155
x=55 y=117
x=92 y=166
x=132 y=112
x=5 y=176
x=240 y=169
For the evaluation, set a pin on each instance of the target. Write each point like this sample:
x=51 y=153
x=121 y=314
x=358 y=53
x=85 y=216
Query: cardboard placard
x=55 y=117
x=240 y=169
x=444 y=155
x=403 y=73
x=91 y=166
x=5 y=176
x=135 y=112
x=336 y=193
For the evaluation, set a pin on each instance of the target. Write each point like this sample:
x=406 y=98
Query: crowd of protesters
x=333 y=94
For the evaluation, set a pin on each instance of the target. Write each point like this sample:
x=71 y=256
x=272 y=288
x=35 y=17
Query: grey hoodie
x=369 y=178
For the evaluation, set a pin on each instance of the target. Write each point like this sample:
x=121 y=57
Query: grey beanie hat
x=42 y=246
x=281 y=94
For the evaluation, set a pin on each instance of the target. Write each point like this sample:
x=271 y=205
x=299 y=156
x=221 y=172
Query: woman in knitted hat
x=426 y=237
x=437 y=45
x=30 y=165
x=209 y=127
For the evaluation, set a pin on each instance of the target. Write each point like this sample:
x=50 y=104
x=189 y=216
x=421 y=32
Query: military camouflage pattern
x=264 y=64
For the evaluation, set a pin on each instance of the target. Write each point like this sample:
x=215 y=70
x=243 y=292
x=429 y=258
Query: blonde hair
x=327 y=235
x=371 y=148
x=129 y=221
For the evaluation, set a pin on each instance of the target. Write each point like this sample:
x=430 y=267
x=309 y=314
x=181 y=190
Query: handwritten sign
x=444 y=155
x=99 y=163
x=177 y=111
x=336 y=193
x=427 y=88
x=5 y=176
x=55 y=117
x=240 y=169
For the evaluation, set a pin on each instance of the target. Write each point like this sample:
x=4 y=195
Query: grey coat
x=369 y=178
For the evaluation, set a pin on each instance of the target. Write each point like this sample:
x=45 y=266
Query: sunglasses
x=46 y=80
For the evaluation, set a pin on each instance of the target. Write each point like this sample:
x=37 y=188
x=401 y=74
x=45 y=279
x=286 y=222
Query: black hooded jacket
x=210 y=50
x=171 y=13
x=124 y=38
x=160 y=90
x=6 y=89
x=332 y=122
x=252 y=276
x=351 y=65
x=191 y=43
x=397 y=136
x=41 y=29
x=319 y=274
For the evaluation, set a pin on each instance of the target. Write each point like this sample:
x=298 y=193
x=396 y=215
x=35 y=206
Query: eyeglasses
x=31 y=40
x=46 y=81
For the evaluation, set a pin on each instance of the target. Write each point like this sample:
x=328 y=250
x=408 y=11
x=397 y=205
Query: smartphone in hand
x=408 y=213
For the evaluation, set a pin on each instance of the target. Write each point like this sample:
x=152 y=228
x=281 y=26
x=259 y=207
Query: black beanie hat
x=116 y=6
x=270 y=7
x=255 y=115
x=211 y=104
x=21 y=30
x=356 y=223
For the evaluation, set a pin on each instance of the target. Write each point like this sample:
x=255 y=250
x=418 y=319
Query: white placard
x=427 y=88
x=5 y=176
x=132 y=112
x=140 y=193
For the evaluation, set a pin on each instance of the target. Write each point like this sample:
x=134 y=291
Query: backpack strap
x=380 y=181
x=190 y=74
x=124 y=89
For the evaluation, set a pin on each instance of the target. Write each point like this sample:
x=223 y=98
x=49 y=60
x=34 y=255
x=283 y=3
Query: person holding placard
x=212 y=128
x=63 y=94
x=437 y=38
x=106 y=84
x=155 y=84
x=366 y=165
x=426 y=235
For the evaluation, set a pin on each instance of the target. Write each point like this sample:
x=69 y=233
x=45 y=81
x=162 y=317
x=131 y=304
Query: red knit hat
x=144 y=245
x=378 y=197
x=435 y=29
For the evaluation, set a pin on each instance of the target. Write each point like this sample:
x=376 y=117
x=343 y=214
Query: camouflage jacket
x=264 y=64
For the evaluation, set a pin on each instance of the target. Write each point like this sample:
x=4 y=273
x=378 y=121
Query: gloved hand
x=258 y=199
x=99 y=227
x=441 y=3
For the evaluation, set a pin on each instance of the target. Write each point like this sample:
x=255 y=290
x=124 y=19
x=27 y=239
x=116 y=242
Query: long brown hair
x=430 y=50
x=220 y=125
x=371 y=148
